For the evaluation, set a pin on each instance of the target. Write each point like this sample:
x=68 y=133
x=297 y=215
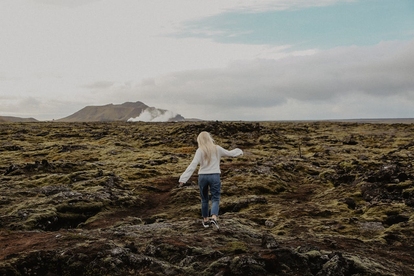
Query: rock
x=269 y=242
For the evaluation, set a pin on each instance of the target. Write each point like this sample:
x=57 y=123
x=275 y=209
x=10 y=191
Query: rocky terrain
x=306 y=198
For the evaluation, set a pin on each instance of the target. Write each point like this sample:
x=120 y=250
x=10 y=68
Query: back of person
x=208 y=156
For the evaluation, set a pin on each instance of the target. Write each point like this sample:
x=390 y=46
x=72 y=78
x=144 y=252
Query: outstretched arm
x=190 y=169
x=231 y=153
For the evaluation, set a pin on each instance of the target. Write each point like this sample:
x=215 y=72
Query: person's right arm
x=191 y=168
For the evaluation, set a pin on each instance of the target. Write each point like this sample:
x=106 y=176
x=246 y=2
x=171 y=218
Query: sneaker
x=206 y=224
x=214 y=222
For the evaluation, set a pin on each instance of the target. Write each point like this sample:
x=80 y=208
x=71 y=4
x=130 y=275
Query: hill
x=11 y=119
x=129 y=111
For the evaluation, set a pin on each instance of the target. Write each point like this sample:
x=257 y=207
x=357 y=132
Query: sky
x=246 y=60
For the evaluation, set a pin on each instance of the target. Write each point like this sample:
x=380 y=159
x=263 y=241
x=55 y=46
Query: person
x=208 y=157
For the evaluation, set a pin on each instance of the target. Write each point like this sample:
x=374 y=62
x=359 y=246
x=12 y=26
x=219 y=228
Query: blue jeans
x=204 y=182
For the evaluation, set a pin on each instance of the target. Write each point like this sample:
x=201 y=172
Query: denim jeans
x=204 y=182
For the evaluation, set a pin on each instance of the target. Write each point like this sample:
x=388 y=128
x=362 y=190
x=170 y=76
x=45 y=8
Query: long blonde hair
x=207 y=145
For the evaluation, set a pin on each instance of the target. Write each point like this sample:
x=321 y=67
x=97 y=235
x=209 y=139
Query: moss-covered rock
x=311 y=198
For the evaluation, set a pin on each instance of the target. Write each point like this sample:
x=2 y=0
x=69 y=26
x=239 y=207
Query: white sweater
x=213 y=167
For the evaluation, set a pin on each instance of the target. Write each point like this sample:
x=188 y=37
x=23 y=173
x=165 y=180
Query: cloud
x=38 y=108
x=66 y=3
x=328 y=77
x=109 y=41
x=99 y=85
x=381 y=70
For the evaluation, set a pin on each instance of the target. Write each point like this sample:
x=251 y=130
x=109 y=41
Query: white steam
x=153 y=115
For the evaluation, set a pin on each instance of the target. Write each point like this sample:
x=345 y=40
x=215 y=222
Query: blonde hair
x=207 y=145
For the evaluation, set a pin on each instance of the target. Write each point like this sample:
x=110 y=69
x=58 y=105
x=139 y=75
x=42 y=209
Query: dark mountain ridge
x=115 y=112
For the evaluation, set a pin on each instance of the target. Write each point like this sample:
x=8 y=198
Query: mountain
x=10 y=119
x=129 y=111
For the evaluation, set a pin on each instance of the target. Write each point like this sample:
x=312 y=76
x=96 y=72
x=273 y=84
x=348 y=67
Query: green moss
x=236 y=247
x=73 y=237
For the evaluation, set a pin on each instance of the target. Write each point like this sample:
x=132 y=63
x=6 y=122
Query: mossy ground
x=86 y=188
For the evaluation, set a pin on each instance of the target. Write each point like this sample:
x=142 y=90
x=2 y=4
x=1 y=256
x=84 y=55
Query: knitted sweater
x=213 y=167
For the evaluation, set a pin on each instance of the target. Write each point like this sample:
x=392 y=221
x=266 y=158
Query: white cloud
x=328 y=80
x=66 y=3
x=106 y=40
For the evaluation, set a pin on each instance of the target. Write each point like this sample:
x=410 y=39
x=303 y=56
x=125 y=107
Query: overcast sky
x=214 y=60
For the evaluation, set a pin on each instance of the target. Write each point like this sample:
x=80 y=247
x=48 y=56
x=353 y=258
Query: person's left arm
x=231 y=153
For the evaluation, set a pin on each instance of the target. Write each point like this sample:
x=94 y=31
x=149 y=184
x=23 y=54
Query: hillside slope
x=11 y=119
x=113 y=112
